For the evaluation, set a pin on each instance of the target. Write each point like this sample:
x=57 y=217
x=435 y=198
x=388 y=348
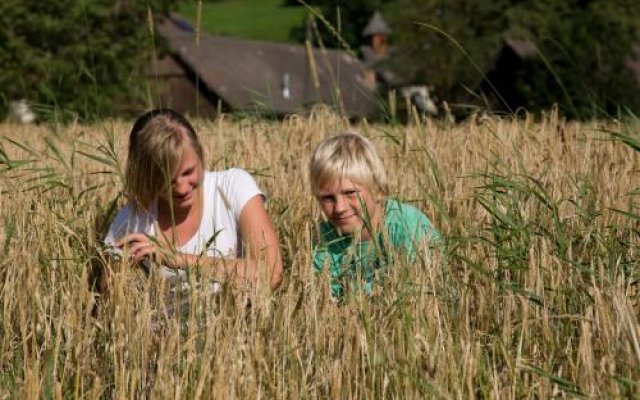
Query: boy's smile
x=347 y=205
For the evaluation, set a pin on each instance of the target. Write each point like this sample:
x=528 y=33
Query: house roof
x=522 y=48
x=249 y=74
x=528 y=50
x=376 y=24
x=633 y=62
x=164 y=67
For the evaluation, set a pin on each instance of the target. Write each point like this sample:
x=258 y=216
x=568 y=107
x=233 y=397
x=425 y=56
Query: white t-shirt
x=225 y=195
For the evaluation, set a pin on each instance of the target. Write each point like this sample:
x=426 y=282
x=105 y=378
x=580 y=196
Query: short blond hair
x=156 y=144
x=348 y=155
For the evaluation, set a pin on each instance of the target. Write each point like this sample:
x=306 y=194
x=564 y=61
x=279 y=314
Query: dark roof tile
x=247 y=74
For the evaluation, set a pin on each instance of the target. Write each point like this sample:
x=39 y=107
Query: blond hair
x=348 y=155
x=156 y=144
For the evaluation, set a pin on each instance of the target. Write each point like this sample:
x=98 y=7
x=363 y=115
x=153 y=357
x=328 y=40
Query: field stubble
x=535 y=296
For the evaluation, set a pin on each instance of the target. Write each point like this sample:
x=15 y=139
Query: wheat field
x=535 y=296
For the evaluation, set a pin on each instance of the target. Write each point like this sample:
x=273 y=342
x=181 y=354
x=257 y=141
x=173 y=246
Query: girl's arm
x=263 y=260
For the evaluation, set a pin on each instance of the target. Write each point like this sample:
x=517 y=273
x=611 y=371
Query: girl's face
x=186 y=182
x=347 y=204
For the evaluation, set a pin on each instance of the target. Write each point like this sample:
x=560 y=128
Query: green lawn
x=250 y=19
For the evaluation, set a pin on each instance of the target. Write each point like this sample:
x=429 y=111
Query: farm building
x=634 y=62
x=376 y=51
x=511 y=63
x=513 y=56
x=199 y=77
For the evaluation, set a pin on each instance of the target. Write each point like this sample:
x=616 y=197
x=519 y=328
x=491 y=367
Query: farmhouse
x=514 y=57
x=634 y=61
x=206 y=74
x=376 y=51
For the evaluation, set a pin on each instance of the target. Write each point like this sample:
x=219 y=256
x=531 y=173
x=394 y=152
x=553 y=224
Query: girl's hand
x=139 y=247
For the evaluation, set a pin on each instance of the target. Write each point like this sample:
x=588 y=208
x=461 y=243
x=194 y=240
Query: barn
x=205 y=75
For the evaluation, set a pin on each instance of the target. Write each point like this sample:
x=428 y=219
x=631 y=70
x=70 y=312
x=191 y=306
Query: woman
x=181 y=216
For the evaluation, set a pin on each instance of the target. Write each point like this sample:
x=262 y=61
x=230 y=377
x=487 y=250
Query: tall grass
x=535 y=296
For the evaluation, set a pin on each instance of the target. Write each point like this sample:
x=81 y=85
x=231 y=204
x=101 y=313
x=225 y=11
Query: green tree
x=587 y=46
x=584 y=47
x=581 y=62
x=82 y=57
x=445 y=43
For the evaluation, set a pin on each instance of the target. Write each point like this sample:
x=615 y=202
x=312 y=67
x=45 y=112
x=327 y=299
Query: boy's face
x=344 y=202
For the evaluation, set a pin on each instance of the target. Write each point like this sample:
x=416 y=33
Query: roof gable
x=249 y=74
x=376 y=25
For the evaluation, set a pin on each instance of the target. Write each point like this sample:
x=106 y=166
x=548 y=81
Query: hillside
x=249 y=19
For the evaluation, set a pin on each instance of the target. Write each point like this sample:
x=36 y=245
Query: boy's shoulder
x=397 y=212
x=403 y=221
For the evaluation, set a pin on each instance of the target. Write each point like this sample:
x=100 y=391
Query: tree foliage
x=583 y=49
x=79 y=56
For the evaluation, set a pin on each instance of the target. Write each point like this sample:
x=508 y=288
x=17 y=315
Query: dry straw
x=536 y=295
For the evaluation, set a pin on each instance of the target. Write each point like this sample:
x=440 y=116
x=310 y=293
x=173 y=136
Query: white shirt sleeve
x=238 y=189
x=128 y=221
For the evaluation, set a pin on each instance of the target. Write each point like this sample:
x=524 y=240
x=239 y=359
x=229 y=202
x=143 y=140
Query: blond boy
x=363 y=224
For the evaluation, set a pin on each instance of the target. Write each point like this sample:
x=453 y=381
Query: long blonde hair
x=156 y=144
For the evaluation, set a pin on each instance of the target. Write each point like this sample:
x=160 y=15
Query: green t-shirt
x=350 y=261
